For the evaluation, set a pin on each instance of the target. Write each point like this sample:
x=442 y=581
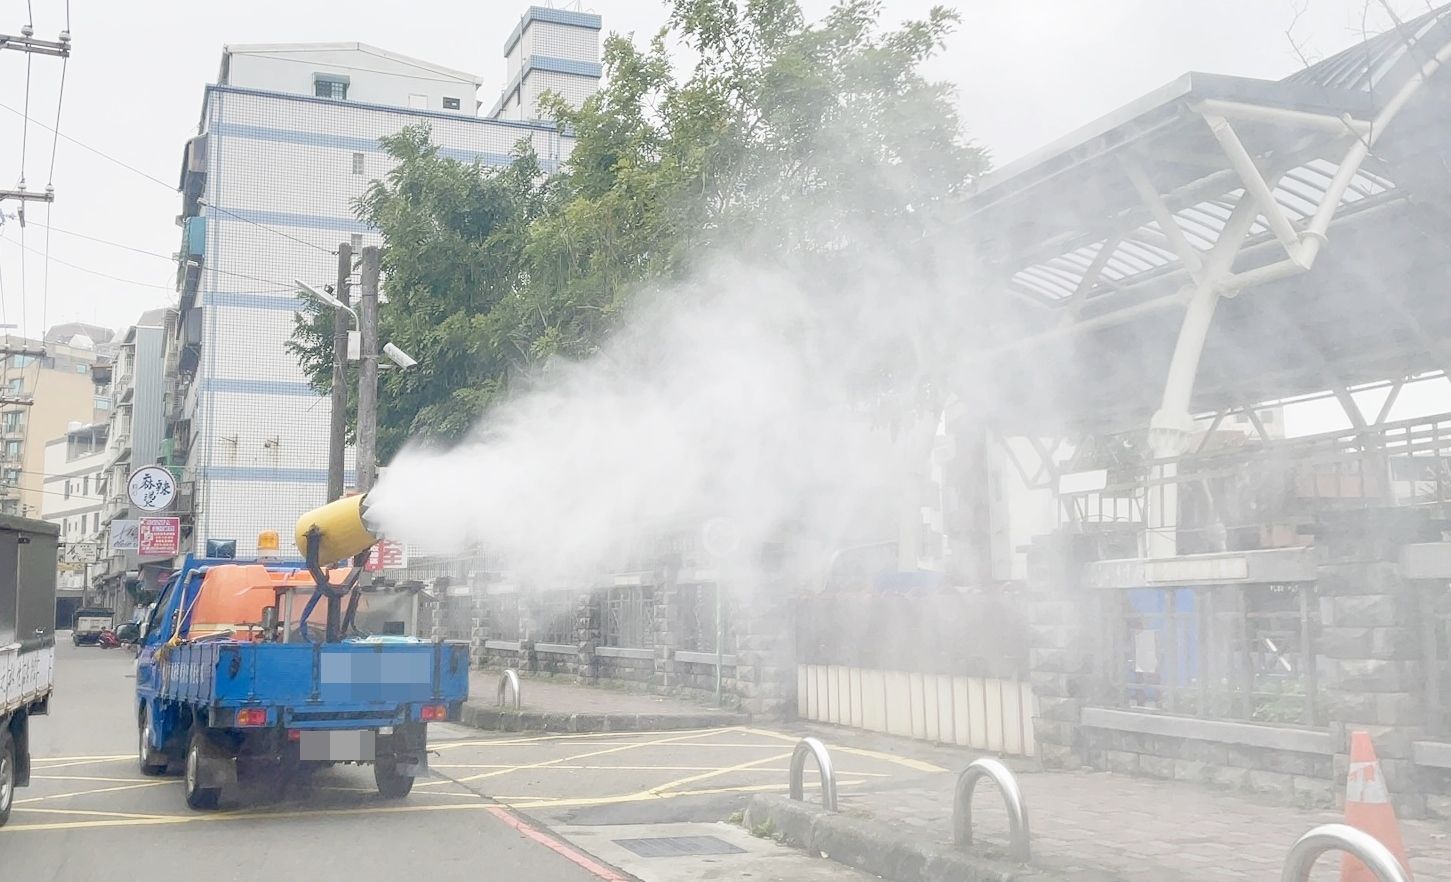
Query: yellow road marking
x=556 y=736
x=415 y=790
x=35 y=799
x=82 y=762
x=646 y=796
x=87 y=778
x=778 y=769
x=741 y=767
x=914 y=764
x=51 y=811
x=566 y=759
x=167 y=820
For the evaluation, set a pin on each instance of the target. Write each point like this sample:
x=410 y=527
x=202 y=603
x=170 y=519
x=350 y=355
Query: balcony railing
x=1260 y=494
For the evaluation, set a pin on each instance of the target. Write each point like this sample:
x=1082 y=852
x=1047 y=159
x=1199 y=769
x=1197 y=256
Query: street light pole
x=337 y=440
x=368 y=372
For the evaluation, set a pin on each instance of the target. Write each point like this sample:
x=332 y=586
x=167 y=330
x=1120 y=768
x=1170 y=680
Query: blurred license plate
x=351 y=745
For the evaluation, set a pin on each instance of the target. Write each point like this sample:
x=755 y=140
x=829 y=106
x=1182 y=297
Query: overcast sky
x=1026 y=72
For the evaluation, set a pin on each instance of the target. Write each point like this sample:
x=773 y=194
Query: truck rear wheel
x=197 y=796
x=152 y=761
x=392 y=784
x=7 y=774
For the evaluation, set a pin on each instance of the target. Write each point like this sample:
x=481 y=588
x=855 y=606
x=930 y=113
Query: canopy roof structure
x=1312 y=216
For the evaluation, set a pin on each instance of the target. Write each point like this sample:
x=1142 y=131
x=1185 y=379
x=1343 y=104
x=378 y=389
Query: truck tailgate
x=25 y=677
x=318 y=681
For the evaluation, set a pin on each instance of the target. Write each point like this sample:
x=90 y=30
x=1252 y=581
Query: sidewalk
x=554 y=706
x=1096 y=824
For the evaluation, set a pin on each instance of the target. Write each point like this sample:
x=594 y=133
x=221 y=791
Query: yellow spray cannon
x=338 y=530
x=330 y=533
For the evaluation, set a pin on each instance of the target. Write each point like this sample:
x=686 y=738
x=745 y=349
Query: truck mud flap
x=217 y=768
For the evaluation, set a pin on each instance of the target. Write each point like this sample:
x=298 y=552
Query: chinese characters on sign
x=158 y=537
x=387 y=555
x=151 y=488
x=123 y=535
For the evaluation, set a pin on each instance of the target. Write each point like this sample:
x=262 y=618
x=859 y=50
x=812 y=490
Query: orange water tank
x=233 y=596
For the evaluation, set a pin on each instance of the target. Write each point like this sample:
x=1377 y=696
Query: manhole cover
x=679 y=846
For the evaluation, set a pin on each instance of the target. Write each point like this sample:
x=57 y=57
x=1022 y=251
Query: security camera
x=398 y=356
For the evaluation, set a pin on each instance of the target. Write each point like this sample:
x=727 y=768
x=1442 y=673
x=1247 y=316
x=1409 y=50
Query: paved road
x=501 y=806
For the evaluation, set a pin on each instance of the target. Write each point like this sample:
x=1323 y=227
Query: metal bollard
x=1341 y=837
x=813 y=747
x=510 y=680
x=1007 y=782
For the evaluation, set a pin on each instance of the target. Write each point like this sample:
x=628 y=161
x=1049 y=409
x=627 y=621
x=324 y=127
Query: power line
x=150 y=177
x=59 y=102
x=75 y=266
x=24 y=319
x=45 y=281
x=281 y=286
x=25 y=124
x=265 y=227
x=106 y=156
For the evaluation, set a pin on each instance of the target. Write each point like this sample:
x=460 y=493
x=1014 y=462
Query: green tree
x=455 y=236
x=786 y=137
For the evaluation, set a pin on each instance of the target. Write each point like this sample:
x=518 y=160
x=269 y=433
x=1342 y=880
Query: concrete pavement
x=551 y=705
x=569 y=807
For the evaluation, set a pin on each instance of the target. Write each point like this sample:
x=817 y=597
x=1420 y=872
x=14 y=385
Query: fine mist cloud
x=765 y=396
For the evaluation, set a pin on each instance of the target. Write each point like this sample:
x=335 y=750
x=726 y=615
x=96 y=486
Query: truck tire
x=7 y=774
x=392 y=784
x=197 y=796
x=151 y=761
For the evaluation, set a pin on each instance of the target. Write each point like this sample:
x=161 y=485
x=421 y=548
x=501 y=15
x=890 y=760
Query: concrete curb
x=494 y=719
x=874 y=848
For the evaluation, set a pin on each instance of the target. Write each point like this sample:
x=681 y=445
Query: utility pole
x=337 y=442
x=59 y=48
x=368 y=372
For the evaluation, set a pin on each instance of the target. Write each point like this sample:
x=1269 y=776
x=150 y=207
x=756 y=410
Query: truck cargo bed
x=327 y=685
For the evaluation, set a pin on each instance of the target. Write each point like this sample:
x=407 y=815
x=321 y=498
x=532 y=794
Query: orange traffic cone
x=1368 y=807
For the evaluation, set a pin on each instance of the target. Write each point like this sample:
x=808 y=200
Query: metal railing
x=1339 y=837
x=813 y=747
x=1018 y=833
x=1260 y=494
x=510 y=680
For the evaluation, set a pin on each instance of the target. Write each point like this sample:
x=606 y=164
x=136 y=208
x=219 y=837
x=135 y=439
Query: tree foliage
x=785 y=136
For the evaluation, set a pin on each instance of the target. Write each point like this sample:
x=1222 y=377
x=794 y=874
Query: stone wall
x=1061 y=660
x=1294 y=766
x=1370 y=675
x=1371 y=664
x=759 y=675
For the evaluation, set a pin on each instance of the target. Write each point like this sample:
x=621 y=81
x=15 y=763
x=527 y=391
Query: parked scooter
x=107 y=639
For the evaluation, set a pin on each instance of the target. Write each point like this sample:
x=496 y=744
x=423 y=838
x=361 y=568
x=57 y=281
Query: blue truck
x=270 y=667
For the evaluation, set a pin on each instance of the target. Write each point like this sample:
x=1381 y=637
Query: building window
x=83 y=369
x=67 y=489
x=102 y=402
x=450 y=104
x=10 y=422
x=16 y=386
x=335 y=89
x=357 y=163
x=357 y=242
x=12 y=449
x=86 y=485
x=96 y=522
